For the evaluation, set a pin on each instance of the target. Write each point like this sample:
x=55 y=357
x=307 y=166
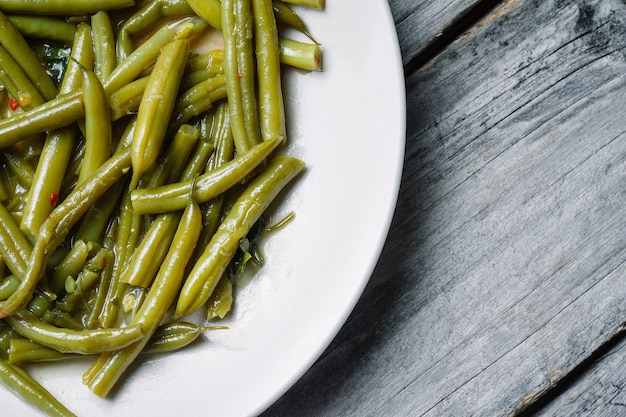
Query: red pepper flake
x=53 y=198
x=239 y=76
x=13 y=104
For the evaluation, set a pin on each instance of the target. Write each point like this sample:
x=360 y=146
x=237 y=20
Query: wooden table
x=501 y=289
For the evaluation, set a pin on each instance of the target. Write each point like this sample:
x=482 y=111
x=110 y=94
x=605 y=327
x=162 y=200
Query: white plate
x=348 y=124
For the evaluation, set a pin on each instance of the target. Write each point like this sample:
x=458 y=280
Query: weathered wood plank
x=419 y=22
x=504 y=266
x=599 y=391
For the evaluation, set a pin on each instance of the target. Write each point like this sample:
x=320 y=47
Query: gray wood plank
x=599 y=391
x=419 y=22
x=505 y=265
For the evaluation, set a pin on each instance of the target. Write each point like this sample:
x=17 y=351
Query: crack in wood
x=452 y=32
x=532 y=403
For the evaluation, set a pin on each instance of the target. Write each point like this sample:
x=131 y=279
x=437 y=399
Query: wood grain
x=419 y=23
x=504 y=268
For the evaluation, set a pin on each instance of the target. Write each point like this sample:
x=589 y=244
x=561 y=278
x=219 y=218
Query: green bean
x=197 y=100
x=253 y=201
x=33 y=393
x=287 y=16
x=17 y=83
x=238 y=70
x=172 y=162
x=70 y=266
x=302 y=55
x=13 y=41
x=161 y=295
x=22 y=350
x=7 y=334
x=97 y=307
x=208 y=185
x=212 y=61
x=21 y=168
x=14 y=247
x=61 y=319
x=63 y=7
x=98 y=131
x=224 y=152
x=85 y=342
x=97 y=218
x=58 y=224
x=315 y=4
x=147 y=53
x=154 y=245
x=144 y=19
x=55 y=113
x=156 y=107
x=8 y=285
x=57 y=150
x=126 y=100
x=209 y=10
x=104 y=45
x=175 y=335
x=220 y=302
x=43 y=27
x=271 y=107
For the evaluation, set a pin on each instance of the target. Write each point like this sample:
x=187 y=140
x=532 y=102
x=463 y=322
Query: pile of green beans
x=133 y=183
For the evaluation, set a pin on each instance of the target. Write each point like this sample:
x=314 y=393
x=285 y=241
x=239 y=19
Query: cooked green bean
x=144 y=19
x=55 y=113
x=104 y=45
x=315 y=4
x=17 y=83
x=8 y=285
x=238 y=67
x=126 y=100
x=43 y=27
x=156 y=107
x=63 y=7
x=58 y=225
x=251 y=204
x=271 y=106
x=21 y=168
x=220 y=302
x=23 y=350
x=209 y=10
x=158 y=300
x=13 y=41
x=85 y=342
x=98 y=130
x=14 y=247
x=208 y=185
x=71 y=265
x=287 y=16
x=306 y=56
x=33 y=393
x=57 y=149
x=146 y=54
x=198 y=99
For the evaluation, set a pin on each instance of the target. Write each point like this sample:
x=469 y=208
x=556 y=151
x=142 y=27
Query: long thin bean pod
x=33 y=393
x=98 y=130
x=315 y=4
x=85 y=342
x=17 y=46
x=209 y=10
x=156 y=107
x=56 y=113
x=207 y=186
x=58 y=225
x=104 y=45
x=161 y=295
x=44 y=27
x=63 y=7
x=57 y=149
x=271 y=106
x=17 y=83
x=245 y=212
x=146 y=54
